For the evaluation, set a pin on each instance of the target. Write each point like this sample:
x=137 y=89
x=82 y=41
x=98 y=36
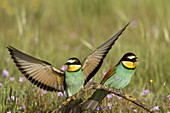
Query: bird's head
x=73 y=64
x=129 y=60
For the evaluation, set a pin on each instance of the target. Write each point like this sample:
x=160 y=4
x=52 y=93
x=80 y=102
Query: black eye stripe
x=75 y=63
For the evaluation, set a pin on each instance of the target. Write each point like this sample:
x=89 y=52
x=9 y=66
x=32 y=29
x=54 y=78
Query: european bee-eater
x=117 y=77
x=44 y=75
x=74 y=78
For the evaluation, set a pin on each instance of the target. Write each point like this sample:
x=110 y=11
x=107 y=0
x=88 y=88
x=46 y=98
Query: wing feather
x=110 y=73
x=94 y=61
x=40 y=73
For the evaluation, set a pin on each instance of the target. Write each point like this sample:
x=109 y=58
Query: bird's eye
x=127 y=59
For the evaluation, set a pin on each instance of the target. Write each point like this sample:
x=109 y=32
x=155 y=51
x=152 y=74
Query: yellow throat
x=130 y=65
x=73 y=68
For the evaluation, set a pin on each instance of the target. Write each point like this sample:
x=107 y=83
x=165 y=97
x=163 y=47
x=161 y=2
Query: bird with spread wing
x=47 y=77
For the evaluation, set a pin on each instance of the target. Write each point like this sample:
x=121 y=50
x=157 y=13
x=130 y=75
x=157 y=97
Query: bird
x=74 y=78
x=47 y=77
x=118 y=77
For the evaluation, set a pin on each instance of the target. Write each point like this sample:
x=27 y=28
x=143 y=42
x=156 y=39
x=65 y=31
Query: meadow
x=57 y=30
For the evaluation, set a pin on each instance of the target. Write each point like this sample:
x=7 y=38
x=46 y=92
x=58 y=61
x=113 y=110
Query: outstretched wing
x=94 y=61
x=38 y=72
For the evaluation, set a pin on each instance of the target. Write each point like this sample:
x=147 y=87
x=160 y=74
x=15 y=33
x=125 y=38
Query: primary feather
x=38 y=72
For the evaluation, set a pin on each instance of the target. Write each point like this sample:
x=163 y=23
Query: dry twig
x=106 y=88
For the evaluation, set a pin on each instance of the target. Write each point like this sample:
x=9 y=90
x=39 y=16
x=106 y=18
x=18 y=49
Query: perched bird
x=45 y=76
x=117 y=77
x=74 y=78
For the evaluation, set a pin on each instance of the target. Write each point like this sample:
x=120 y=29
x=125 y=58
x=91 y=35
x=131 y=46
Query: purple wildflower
x=9 y=98
x=99 y=108
x=168 y=112
x=16 y=99
x=44 y=92
x=156 y=108
x=112 y=104
x=64 y=68
x=24 y=107
x=13 y=98
x=8 y=111
x=11 y=78
x=24 y=99
x=21 y=79
x=91 y=80
x=108 y=107
x=103 y=72
x=120 y=98
x=73 y=35
x=61 y=94
x=134 y=23
x=168 y=96
x=145 y=92
x=53 y=96
x=113 y=95
x=5 y=73
x=109 y=96
x=1 y=84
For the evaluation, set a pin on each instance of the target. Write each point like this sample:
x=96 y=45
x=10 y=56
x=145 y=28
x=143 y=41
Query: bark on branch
x=106 y=88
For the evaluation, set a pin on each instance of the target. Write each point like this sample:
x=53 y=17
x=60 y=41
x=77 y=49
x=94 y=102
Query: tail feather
x=72 y=107
x=89 y=105
x=92 y=102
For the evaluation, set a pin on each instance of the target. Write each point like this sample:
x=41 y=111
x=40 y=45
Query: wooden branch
x=106 y=88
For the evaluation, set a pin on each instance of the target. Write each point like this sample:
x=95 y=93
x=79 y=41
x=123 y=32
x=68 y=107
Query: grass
x=56 y=30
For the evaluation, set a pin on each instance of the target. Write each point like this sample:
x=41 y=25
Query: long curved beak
x=136 y=59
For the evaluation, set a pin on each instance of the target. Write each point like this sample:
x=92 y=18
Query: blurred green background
x=57 y=30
